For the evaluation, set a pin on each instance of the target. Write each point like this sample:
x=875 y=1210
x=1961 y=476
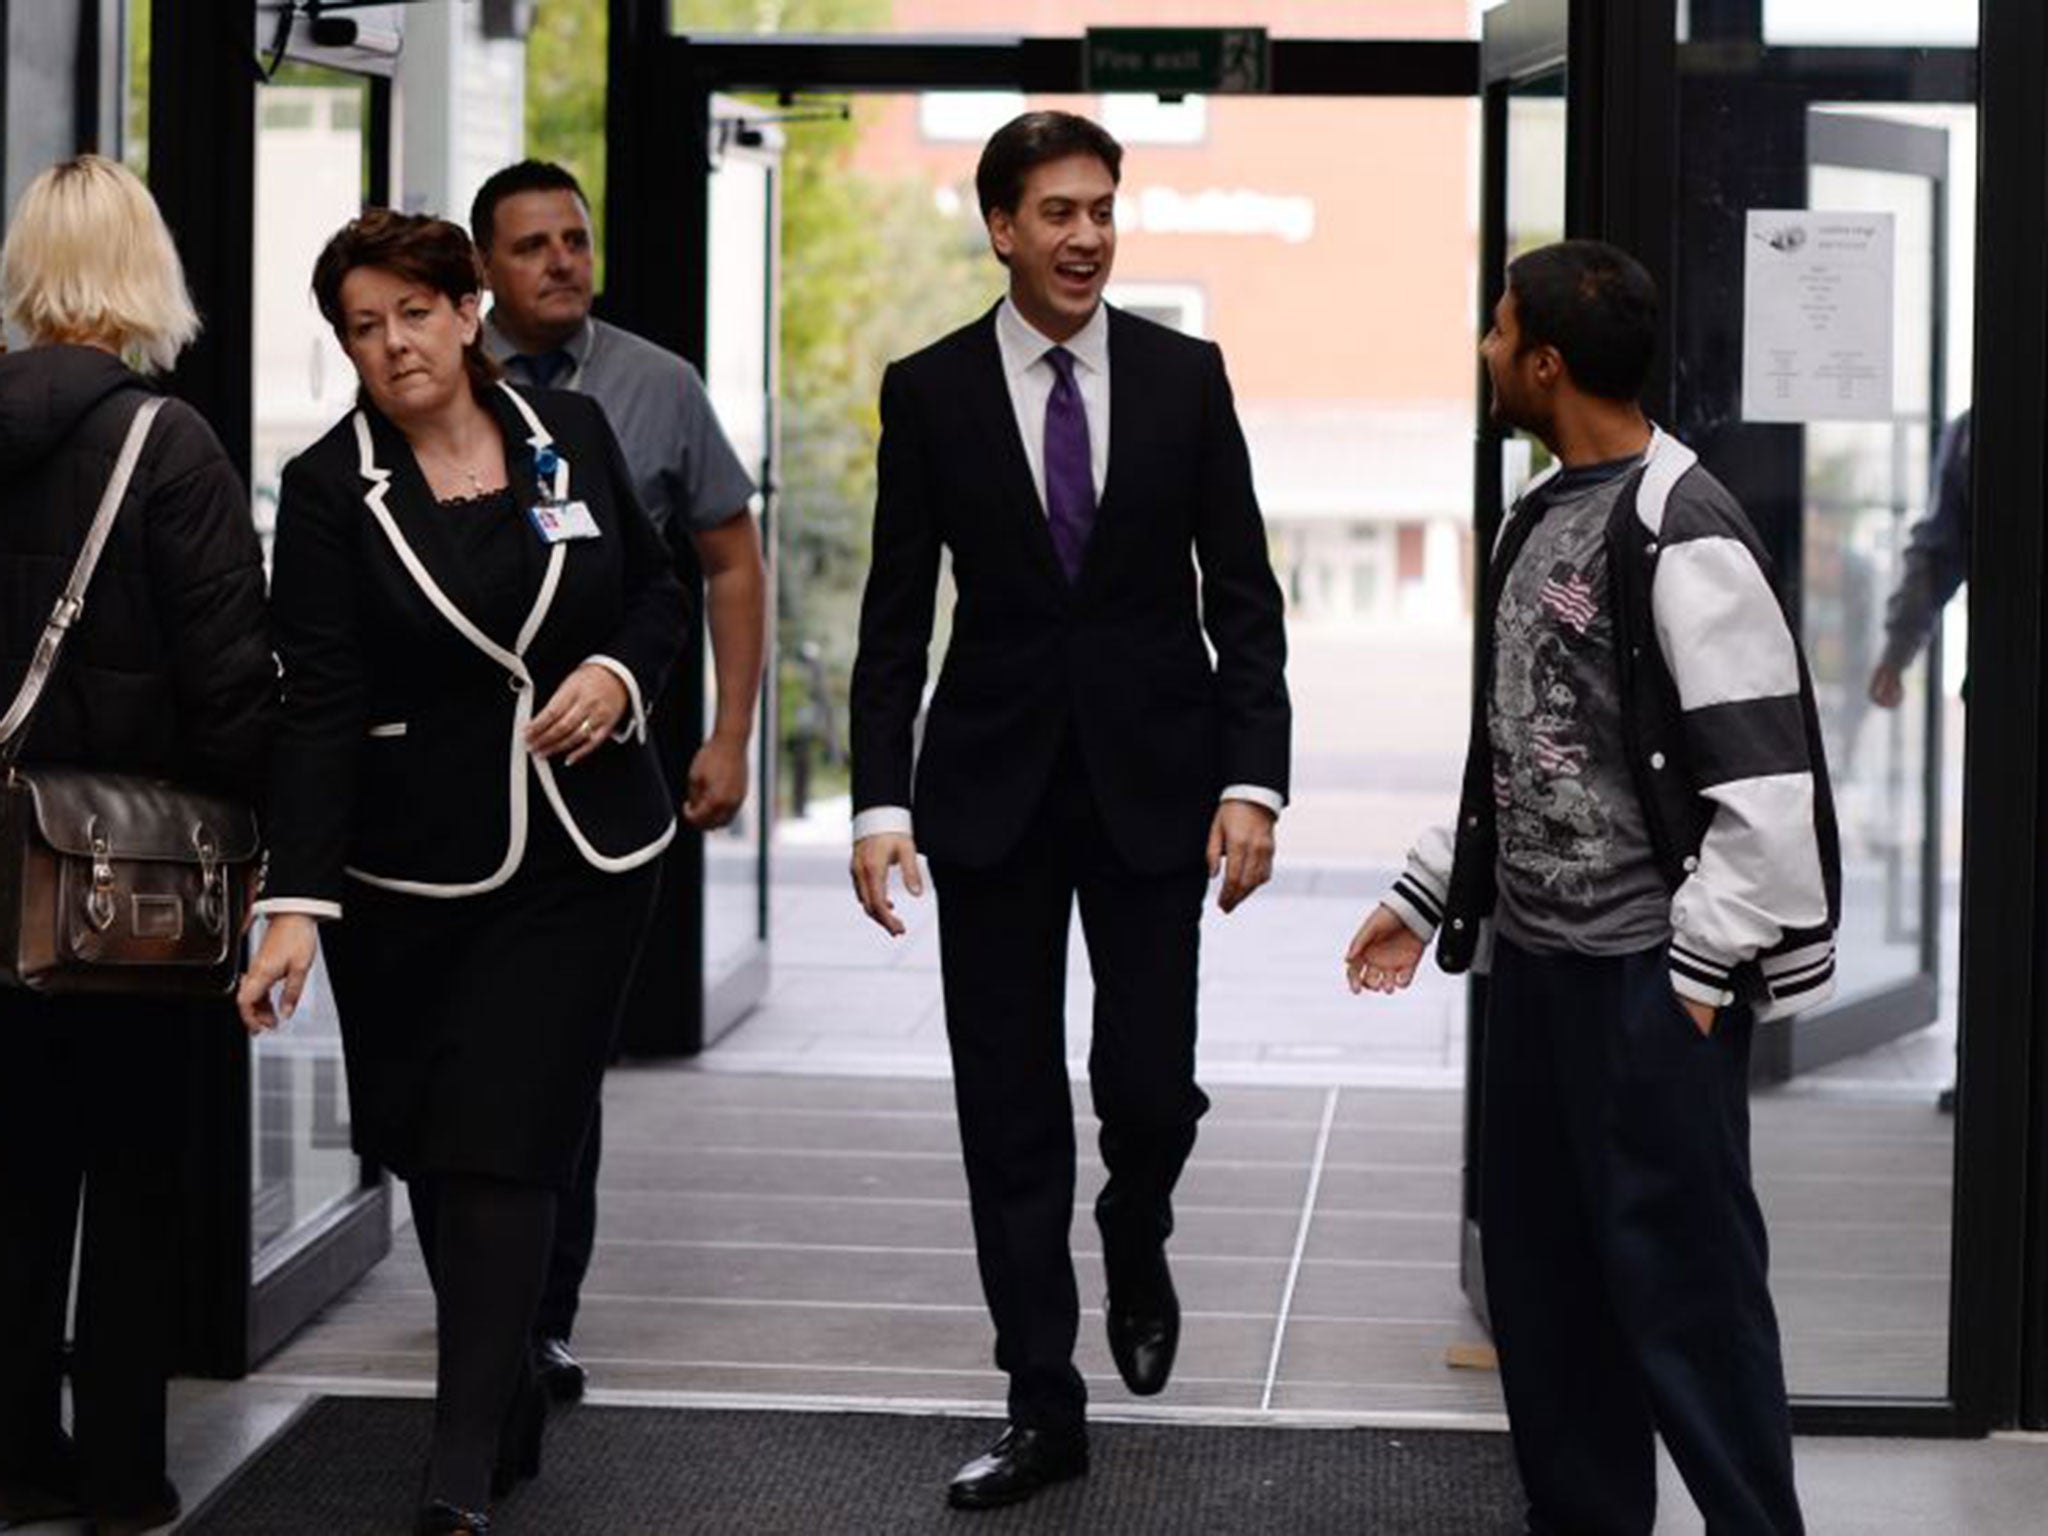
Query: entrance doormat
x=350 y=1466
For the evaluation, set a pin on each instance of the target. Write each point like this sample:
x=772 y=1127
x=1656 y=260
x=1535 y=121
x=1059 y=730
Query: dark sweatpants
x=1625 y=1252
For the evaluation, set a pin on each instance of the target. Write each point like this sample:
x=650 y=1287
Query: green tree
x=871 y=269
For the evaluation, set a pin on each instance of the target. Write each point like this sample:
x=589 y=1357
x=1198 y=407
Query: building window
x=1149 y=120
x=965 y=117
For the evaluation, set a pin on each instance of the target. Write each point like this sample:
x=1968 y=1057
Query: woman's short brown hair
x=416 y=246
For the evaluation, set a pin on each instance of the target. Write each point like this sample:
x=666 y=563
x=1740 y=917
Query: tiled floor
x=784 y=1219
x=768 y=1234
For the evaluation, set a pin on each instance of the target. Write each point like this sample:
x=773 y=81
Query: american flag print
x=1569 y=597
x=1565 y=759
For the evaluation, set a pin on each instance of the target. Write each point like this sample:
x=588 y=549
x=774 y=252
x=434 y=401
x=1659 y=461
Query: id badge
x=559 y=522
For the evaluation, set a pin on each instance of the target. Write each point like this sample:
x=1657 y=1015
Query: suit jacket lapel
x=1012 y=470
x=412 y=506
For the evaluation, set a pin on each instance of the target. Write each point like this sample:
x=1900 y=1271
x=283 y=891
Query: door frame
x=663 y=86
x=1998 y=1337
x=239 y=1306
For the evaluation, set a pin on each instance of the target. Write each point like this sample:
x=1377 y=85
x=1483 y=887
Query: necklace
x=450 y=467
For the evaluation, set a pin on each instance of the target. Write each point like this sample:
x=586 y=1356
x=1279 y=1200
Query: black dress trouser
x=1003 y=956
x=90 y=1110
x=1625 y=1252
x=575 y=1238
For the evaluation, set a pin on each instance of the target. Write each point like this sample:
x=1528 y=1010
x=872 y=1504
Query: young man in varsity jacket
x=1645 y=859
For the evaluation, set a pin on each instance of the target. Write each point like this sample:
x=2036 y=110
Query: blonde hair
x=88 y=259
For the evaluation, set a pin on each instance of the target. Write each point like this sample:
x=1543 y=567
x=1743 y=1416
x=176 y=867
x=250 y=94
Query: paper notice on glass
x=1817 y=316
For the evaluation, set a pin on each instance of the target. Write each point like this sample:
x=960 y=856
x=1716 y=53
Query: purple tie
x=1069 y=468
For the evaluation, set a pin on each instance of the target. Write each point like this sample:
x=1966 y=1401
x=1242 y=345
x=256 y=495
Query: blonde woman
x=168 y=672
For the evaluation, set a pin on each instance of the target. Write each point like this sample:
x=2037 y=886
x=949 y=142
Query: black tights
x=486 y=1244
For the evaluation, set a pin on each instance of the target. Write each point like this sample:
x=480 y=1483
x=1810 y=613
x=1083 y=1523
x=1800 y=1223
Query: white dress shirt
x=1030 y=377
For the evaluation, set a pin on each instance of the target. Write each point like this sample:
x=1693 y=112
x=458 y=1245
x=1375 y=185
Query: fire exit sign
x=1176 y=61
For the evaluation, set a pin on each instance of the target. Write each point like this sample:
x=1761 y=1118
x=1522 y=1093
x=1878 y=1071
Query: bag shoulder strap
x=14 y=724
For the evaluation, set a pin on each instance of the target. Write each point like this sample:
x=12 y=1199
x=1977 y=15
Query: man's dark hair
x=1596 y=305
x=526 y=176
x=1024 y=143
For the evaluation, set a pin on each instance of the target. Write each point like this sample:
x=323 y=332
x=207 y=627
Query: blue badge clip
x=546 y=463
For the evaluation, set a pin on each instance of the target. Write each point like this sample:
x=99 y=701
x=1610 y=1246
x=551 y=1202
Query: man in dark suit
x=1086 y=472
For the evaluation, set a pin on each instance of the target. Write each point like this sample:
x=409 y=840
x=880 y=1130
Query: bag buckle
x=99 y=906
x=212 y=886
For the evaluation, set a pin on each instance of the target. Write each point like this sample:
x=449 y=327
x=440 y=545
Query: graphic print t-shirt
x=1576 y=870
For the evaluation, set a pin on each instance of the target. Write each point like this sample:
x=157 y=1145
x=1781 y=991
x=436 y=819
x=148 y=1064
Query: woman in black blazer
x=167 y=673
x=472 y=612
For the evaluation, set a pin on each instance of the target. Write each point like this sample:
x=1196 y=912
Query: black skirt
x=477 y=1029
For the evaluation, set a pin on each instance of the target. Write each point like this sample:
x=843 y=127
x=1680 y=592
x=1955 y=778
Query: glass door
x=1866 y=484
x=1835 y=488
x=742 y=348
x=1525 y=158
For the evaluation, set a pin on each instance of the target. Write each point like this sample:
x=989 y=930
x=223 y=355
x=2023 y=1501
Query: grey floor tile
x=1460 y=1392
x=954 y=1337
x=763 y=1171
x=1800 y=1248
x=1346 y=1354
x=1269 y=1187
x=1423 y=1293
x=1351 y=1235
x=1368 y=1108
x=1841 y=1364
x=1235 y=1232
x=1862 y=1304
x=808 y=1216
x=1219 y=1350
x=1424 y=1191
x=1854 y=1201
x=728 y=1126
x=1439 y=1146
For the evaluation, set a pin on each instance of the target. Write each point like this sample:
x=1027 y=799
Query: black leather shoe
x=133 y=1522
x=438 y=1518
x=1142 y=1316
x=1017 y=1466
x=560 y=1372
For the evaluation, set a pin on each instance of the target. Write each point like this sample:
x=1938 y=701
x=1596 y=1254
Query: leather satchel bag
x=114 y=882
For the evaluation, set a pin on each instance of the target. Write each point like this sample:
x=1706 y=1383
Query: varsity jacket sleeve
x=1418 y=896
x=1757 y=878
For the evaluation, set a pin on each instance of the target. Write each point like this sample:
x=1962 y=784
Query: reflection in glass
x=1866 y=484
x=1536 y=216
x=739 y=376
x=309 y=178
x=1536 y=164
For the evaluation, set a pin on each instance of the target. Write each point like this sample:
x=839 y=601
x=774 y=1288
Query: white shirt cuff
x=634 y=726
x=1256 y=795
x=297 y=906
x=879 y=819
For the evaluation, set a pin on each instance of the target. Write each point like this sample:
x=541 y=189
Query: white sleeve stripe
x=1669 y=461
x=1759 y=872
x=1412 y=918
x=1719 y=624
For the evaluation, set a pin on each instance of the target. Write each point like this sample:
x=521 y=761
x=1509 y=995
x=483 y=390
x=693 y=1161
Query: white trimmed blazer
x=402 y=761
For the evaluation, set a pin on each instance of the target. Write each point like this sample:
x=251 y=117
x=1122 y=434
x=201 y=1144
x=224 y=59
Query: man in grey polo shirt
x=531 y=224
